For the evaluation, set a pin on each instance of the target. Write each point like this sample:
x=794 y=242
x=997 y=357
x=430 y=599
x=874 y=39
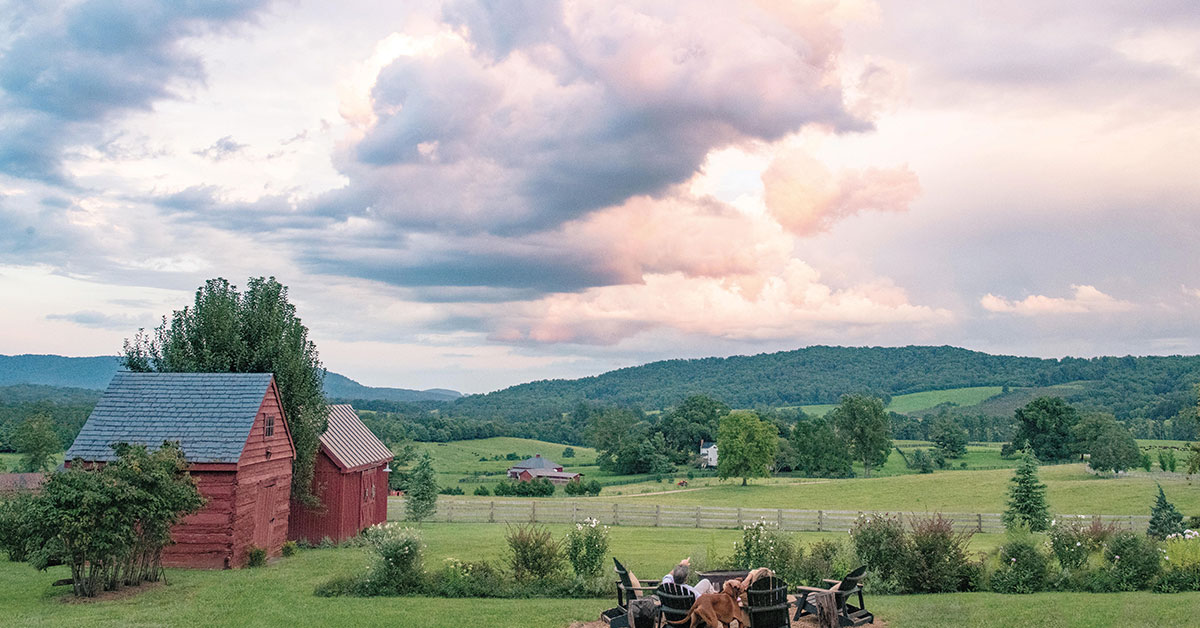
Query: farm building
x=539 y=467
x=17 y=483
x=708 y=454
x=232 y=431
x=350 y=479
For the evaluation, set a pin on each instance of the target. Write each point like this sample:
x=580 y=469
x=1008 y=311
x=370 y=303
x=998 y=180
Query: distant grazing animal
x=717 y=609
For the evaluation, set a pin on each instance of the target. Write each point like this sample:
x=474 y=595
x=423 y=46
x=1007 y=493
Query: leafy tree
x=569 y=452
x=1165 y=519
x=607 y=431
x=420 y=501
x=949 y=437
x=1045 y=426
x=1166 y=460
x=695 y=419
x=746 y=444
x=1144 y=460
x=862 y=423
x=255 y=331
x=1027 y=498
x=921 y=461
x=819 y=452
x=1193 y=465
x=1114 y=449
x=35 y=439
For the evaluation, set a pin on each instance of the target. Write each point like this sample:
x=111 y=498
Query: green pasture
x=460 y=460
x=12 y=462
x=281 y=593
x=915 y=402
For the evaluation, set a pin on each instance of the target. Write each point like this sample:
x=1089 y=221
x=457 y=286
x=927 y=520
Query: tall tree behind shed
x=255 y=331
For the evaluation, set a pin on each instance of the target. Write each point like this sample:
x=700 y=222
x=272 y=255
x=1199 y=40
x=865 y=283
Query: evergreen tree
x=1165 y=519
x=1027 y=498
x=420 y=501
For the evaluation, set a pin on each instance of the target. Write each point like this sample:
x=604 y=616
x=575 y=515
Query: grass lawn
x=1070 y=489
x=459 y=460
x=915 y=402
x=281 y=594
x=12 y=462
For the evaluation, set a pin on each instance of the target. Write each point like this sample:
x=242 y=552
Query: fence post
x=616 y=515
x=820 y=520
x=739 y=517
x=780 y=512
x=449 y=511
x=657 y=515
x=698 y=516
x=979 y=528
x=533 y=512
x=492 y=511
x=574 y=512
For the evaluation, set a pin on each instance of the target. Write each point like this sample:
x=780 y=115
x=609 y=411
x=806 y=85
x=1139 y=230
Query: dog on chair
x=717 y=610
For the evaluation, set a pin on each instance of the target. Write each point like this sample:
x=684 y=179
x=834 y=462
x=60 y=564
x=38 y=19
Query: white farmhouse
x=708 y=454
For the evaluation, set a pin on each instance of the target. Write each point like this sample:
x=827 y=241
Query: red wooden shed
x=350 y=479
x=232 y=431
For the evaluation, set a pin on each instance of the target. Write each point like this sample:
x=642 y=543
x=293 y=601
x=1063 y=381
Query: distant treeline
x=68 y=408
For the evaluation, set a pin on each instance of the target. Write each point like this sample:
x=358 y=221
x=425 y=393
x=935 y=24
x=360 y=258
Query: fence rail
x=682 y=516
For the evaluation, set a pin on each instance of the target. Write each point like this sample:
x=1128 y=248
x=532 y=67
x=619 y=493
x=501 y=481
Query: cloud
x=1085 y=299
x=100 y=320
x=66 y=70
x=221 y=149
x=520 y=124
x=807 y=198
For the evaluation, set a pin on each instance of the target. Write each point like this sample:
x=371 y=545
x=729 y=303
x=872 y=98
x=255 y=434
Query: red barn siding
x=351 y=502
x=264 y=481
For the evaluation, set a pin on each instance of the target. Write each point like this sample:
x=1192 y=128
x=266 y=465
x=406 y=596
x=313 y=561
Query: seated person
x=679 y=576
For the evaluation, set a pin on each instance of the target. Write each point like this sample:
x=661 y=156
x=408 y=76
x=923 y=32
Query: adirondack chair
x=842 y=590
x=628 y=585
x=767 y=603
x=676 y=602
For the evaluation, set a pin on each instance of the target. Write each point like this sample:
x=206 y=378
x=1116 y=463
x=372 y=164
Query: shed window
x=269 y=425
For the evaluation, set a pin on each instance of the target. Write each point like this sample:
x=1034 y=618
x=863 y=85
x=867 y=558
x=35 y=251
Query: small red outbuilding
x=350 y=479
x=232 y=431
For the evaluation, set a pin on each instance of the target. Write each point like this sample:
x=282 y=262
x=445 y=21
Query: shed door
x=367 y=505
x=264 y=514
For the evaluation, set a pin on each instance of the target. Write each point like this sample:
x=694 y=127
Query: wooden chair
x=676 y=602
x=628 y=585
x=767 y=603
x=847 y=613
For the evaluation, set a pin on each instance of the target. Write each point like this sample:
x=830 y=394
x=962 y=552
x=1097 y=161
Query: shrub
x=256 y=557
x=1146 y=462
x=327 y=543
x=350 y=584
x=468 y=579
x=936 y=557
x=1179 y=579
x=569 y=452
x=575 y=488
x=1023 y=569
x=594 y=487
x=1070 y=543
x=533 y=553
x=939 y=459
x=1133 y=560
x=397 y=566
x=824 y=559
x=451 y=490
x=881 y=543
x=1181 y=563
x=289 y=548
x=482 y=491
x=921 y=461
x=586 y=547
x=763 y=545
x=505 y=489
x=20 y=530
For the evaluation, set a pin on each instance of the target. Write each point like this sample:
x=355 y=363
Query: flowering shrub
x=1022 y=567
x=1070 y=543
x=1181 y=563
x=397 y=566
x=468 y=579
x=1133 y=561
x=586 y=546
x=937 y=556
x=763 y=545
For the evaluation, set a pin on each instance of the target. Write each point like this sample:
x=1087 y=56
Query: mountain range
x=95 y=372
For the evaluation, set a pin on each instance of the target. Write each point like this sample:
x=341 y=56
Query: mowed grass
x=12 y=462
x=281 y=594
x=1070 y=490
x=915 y=402
x=460 y=460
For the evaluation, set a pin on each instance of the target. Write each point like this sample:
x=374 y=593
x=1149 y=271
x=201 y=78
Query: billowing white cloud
x=1084 y=299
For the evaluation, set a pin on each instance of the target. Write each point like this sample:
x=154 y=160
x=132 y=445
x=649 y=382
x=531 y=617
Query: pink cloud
x=806 y=198
x=1085 y=299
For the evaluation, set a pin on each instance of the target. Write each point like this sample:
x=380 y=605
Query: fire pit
x=718 y=578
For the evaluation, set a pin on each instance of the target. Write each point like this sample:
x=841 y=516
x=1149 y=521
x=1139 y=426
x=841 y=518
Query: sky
x=470 y=195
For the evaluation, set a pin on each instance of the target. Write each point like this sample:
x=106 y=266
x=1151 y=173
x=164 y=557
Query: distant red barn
x=350 y=479
x=232 y=431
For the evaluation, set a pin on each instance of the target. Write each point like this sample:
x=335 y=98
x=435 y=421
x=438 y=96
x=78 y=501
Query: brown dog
x=717 y=609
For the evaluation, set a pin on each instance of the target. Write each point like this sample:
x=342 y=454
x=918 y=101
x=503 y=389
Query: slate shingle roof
x=536 y=462
x=210 y=414
x=349 y=442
